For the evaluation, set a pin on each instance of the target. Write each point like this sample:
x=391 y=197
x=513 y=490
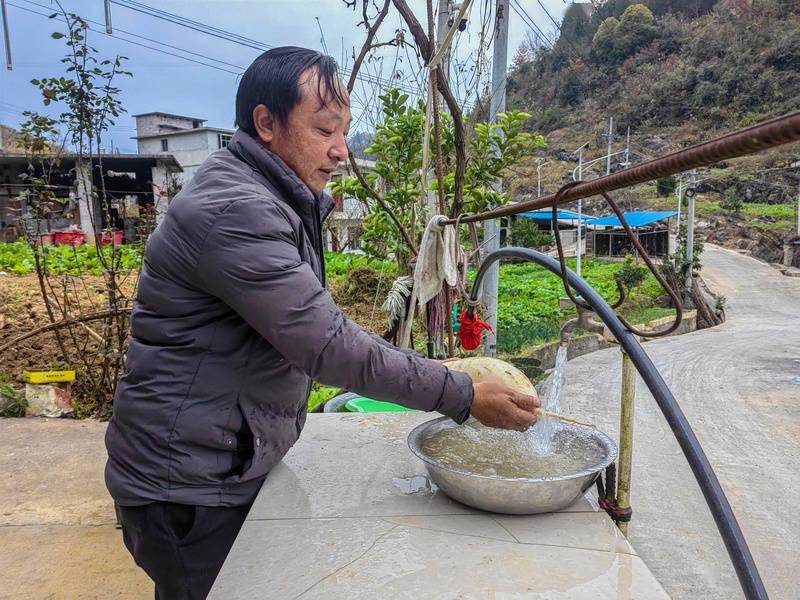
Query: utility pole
x=690 y=193
x=6 y=35
x=441 y=32
x=579 y=152
x=107 y=5
x=610 y=139
x=679 y=193
x=798 y=209
x=491 y=229
x=628 y=147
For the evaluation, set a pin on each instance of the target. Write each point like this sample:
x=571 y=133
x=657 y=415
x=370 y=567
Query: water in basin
x=487 y=451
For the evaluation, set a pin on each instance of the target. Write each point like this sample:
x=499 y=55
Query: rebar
x=769 y=134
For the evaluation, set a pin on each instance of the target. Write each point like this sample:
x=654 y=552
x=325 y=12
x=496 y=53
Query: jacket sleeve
x=250 y=261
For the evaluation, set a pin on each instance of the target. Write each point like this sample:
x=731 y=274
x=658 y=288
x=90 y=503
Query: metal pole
x=580 y=215
x=538 y=177
x=627 y=146
x=107 y=4
x=6 y=35
x=610 y=139
x=680 y=203
x=690 y=231
x=627 y=398
x=443 y=14
x=491 y=229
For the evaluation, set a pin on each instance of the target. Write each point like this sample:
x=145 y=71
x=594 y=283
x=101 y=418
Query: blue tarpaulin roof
x=547 y=215
x=634 y=219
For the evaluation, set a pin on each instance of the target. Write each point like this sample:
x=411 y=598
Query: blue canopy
x=634 y=219
x=547 y=215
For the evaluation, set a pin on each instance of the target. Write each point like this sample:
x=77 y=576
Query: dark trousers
x=180 y=547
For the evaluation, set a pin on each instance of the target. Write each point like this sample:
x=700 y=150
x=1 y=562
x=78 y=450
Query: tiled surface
x=350 y=514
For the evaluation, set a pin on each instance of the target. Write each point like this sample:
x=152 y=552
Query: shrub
x=631 y=274
x=525 y=233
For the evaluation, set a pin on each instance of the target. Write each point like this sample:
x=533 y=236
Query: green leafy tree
x=666 y=186
x=525 y=233
x=632 y=275
x=603 y=42
x=397 y=175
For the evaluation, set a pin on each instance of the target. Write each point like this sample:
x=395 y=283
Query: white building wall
x=189 y=149
x=152 y=124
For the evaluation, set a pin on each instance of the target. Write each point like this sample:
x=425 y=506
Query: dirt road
x=739 y=385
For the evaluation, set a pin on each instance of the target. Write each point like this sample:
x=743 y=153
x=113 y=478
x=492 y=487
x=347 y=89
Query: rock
x=564 y=155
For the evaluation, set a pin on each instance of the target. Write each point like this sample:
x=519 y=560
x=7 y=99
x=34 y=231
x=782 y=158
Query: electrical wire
x=131 y=41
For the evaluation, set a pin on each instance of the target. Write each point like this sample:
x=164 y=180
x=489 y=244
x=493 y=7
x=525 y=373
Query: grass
x=785 y=215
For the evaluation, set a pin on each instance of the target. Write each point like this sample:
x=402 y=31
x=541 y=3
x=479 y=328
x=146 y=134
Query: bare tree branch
x=426 y=48
x=371 y=31
x=61 y=324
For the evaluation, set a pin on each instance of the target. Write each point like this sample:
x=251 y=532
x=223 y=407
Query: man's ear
x=264 y=123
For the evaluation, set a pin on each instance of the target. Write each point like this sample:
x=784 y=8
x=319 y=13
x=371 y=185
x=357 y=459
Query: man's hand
x=497 y=405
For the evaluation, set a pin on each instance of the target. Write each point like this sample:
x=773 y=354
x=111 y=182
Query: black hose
x=728 y=527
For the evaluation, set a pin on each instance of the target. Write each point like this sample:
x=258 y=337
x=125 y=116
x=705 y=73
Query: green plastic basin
x=367 y=405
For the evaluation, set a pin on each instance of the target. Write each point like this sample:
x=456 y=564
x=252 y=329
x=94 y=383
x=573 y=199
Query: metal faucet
x=584 y=321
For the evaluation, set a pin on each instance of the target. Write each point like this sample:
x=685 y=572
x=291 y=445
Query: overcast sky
x=166 y=83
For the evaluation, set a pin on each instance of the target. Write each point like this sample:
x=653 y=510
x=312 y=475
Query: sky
x=167 y=83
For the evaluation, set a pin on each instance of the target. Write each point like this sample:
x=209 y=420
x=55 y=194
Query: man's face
x=312 y=141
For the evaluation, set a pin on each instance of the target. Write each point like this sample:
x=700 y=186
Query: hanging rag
x=437 y=260
x=471 y=330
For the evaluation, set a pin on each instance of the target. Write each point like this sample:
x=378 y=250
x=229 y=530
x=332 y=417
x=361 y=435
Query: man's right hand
x=497 y=405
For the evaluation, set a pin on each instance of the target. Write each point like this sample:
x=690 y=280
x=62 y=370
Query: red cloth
x=471 y=331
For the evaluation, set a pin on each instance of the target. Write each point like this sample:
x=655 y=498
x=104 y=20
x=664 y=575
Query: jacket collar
x=249 y=150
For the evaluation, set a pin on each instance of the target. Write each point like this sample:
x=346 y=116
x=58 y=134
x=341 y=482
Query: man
x=231 y=323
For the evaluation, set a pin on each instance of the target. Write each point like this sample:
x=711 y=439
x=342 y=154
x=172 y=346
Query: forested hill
x=700 y=65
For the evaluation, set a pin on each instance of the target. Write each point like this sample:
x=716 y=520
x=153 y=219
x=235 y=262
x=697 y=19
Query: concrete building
x=135 y=184
x=190 y=142
x=345 y=225
x=185 y=138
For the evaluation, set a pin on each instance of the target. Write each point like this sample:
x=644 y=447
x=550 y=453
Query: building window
x=196 y=124
x=164 y=145
x=223 y=140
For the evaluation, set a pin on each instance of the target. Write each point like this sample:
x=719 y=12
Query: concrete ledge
x=591 y=342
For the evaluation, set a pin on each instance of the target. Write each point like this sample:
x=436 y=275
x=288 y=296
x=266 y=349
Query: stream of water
x=542 y=433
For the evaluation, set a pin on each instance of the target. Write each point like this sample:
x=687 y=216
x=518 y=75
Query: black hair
x=273 y=79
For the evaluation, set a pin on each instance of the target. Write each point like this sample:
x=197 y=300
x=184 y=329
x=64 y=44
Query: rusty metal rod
x=775 y=132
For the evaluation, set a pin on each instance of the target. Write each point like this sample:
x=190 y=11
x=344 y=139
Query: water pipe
x=731 y=533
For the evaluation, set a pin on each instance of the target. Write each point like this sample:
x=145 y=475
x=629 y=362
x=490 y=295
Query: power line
x=234 y=37
x=548 y=14
x=526 y=18
x=140 y=36
x=133 y=42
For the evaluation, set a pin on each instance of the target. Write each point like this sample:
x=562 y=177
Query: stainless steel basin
x=510 y=495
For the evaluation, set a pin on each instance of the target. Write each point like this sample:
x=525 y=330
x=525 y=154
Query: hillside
x=675 y=72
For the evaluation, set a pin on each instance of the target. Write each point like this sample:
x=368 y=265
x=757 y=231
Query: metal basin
x=510 y=495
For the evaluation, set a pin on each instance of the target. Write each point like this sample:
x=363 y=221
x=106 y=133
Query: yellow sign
x=48 y=376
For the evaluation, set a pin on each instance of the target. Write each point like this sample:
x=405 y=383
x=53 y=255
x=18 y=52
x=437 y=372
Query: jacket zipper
x=318 y=242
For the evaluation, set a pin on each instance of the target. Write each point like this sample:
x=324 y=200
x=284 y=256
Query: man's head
x=292 y=100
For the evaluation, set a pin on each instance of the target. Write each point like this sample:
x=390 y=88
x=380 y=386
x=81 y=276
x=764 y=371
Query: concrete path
x=739 y=385
x=57 y=520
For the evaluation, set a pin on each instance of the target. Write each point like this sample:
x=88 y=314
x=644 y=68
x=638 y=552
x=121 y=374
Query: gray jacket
x=231 y=322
